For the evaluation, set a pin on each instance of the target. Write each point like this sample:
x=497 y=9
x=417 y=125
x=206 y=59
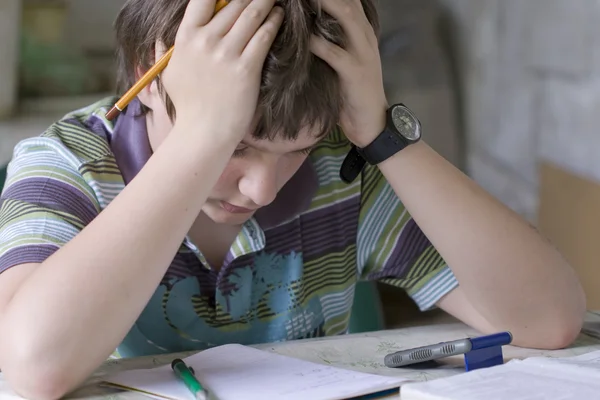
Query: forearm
x=508 y=272
x=79 y=304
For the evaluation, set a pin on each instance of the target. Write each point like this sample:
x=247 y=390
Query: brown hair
x=298 y=89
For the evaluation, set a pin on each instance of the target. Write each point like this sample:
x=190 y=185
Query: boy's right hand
x=215 y=72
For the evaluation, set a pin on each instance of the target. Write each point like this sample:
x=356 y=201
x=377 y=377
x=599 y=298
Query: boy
x=198 y=218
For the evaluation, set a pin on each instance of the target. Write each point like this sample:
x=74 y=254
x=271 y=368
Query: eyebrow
x=295 y=151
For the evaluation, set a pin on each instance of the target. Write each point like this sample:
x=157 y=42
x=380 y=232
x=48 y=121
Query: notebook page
x=515 y=380
x=588 y=363
x=235 y=371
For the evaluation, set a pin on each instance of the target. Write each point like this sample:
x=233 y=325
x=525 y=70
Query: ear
x=150 y=94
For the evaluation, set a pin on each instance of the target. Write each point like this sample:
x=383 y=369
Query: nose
x=259 y=182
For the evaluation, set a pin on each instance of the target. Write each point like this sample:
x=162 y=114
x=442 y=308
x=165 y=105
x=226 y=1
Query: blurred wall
x=9 y=31
x=531 y=78
x=89 y=22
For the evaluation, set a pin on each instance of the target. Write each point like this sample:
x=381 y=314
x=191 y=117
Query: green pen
x=185 y=374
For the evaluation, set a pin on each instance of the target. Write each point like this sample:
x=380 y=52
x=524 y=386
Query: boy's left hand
x=359 y=68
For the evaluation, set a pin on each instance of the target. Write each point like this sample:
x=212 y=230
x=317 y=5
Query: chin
x=220 y=216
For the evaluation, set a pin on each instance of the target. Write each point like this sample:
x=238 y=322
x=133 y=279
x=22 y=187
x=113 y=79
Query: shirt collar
x=129 y=141
x=131 y=147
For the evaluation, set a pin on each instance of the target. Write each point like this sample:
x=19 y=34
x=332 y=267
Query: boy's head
x=300 y=97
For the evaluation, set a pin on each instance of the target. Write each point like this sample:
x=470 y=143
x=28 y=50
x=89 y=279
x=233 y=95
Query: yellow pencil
x=149 y=76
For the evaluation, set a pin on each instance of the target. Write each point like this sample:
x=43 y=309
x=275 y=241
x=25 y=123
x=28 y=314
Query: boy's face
x=253 y=176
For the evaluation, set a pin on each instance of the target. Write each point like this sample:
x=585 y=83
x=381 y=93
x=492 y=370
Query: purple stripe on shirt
x=185 y=265
x=96 y=125
x=284 y=239
x=31 y=254
x=328 y=230
x=318 y=230
x=332 y=232
x=53 y=194
x=411 y=244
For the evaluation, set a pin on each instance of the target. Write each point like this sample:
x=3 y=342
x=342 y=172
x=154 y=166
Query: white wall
x=531 y=72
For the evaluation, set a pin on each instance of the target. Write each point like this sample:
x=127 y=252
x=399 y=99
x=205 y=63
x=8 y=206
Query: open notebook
x=239 y=372
x=536 y=378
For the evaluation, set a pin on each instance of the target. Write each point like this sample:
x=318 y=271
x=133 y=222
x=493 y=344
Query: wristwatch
x=402 y=129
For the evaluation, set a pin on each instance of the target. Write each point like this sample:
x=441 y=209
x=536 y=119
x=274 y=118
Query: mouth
x=235 y=209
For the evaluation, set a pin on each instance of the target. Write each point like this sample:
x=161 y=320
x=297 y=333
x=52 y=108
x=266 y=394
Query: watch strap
x=352 y=165
x=387 y=143
x=383 y=147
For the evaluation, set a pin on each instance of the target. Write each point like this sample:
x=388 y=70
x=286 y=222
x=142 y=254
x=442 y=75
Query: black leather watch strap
x=383 y=147
x=352 y=166
x=401 y=126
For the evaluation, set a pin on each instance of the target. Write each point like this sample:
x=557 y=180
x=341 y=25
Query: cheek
x=227 y=185
x=228 y=181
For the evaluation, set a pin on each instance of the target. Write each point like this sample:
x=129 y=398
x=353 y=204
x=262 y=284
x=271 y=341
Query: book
x=535 y=378
x=234 y=372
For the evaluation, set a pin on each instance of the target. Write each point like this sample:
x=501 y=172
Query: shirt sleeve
x=391 y=248
x=45 y=203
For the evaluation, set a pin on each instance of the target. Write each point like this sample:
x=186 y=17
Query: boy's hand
x=215 y=71
x=359 y=68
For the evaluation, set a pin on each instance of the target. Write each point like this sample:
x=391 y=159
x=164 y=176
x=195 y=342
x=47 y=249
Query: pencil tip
x=112 y=113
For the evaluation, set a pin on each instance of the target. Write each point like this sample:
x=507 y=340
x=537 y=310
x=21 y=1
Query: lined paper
x=235 y=371
x=536 y=378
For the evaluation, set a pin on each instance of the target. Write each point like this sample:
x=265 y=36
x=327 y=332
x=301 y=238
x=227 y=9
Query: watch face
x=406 y=123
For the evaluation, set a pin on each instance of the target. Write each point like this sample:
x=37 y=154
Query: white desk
x=361 y=352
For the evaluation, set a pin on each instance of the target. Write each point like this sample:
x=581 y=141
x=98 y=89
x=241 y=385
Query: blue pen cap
x=497 y=339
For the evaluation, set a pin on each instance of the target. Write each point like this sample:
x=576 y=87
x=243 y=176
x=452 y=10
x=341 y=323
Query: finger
x=329 y=52
x=197 y=13
x=222 y=22
x=248 y=24
x=352 y=18
x=258 y=47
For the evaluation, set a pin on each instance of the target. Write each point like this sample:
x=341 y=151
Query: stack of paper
x=536 y=378
x=240 y=372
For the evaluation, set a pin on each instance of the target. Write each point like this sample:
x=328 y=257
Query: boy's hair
x=298 y=89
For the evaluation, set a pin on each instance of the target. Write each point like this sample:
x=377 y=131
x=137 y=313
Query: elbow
x=548 y=336
x=560 y=335
x=33 y=383
x=567 y=319
x=557 y=329
x=558 y=320
x=31 y=375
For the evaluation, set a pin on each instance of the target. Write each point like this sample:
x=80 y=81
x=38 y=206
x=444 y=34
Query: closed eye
x=241 y=151
x=305 y=151
x=238 y=153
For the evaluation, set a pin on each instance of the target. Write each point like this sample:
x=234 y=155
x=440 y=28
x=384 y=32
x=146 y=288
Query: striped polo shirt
x=290 y=273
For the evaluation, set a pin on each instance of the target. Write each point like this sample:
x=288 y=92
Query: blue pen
x=445 y=349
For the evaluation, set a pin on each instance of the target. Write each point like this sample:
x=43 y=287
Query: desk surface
x=361 y=352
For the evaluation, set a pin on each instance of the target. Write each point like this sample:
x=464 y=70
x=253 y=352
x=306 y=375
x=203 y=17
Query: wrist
x=401 y=130
x=371 y=130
